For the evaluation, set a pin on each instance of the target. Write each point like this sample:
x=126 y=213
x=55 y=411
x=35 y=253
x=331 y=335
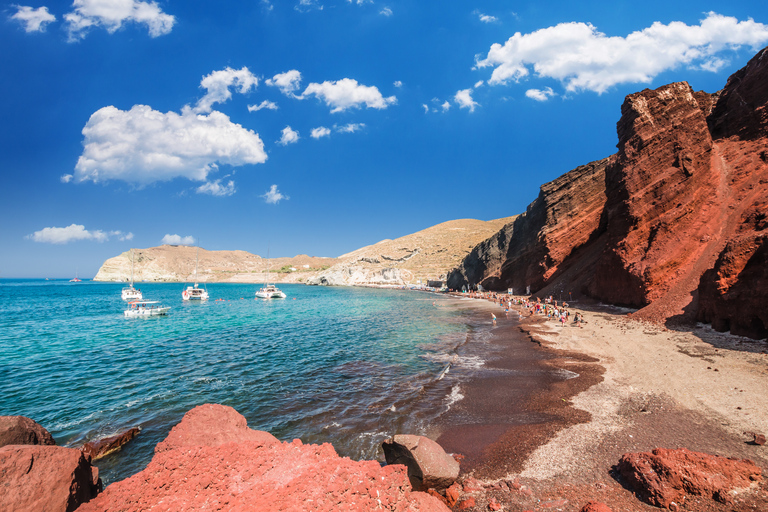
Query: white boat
x=193 y=292
x=75 y=279
x=269 y=291
x=144 y=308
x=129 y=292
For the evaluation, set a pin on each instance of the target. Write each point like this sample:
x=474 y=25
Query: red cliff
x=673 y=224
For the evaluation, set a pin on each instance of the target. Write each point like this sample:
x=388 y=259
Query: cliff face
x=677 y=226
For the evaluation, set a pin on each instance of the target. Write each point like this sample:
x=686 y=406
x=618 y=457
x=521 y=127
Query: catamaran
x=269 y=291
x=75 y=279
x=129 y=292
x=193 y=292
x=144 y=308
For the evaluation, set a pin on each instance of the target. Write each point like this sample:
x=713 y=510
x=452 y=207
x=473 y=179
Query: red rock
x=664 y=476
x=472 y=485
x=759 y=439
x=49 y=478
x=22 y=430
x=210 y=461
x=429 y=467
x=453 y=493
x=437 y=495
x=467 y=503
x=493 y=504
x=595 y=506
x=103 y=447
x=553 y=503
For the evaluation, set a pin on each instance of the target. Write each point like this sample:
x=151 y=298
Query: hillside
x=673 y=224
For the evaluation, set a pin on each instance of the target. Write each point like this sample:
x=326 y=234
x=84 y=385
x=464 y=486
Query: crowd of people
x=550 y=308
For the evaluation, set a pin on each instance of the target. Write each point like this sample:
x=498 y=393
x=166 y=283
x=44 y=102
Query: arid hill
x=426 y=255
x=674 y=223
x=177 y=263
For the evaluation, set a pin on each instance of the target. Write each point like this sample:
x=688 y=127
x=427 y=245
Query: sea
x=343 y=365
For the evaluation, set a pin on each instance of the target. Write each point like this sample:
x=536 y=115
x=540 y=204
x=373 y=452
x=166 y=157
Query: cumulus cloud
x=218 y=83
x=350 y=128
x=386 y=12
x=66 y=178
x=320 y=131
x=215 y=188
x=347 y=93
x=71 y=233
x=111 y=14
x=446 y=106
x=540 y=94
x=34 y=20
x=398 y=84
x=274 y=196
x=269 y=105
x=289 y=136
x=143 y=145
x=582 y=58
x=287 y=82
x=464 y=99
x=485 y=18
x=177 y=240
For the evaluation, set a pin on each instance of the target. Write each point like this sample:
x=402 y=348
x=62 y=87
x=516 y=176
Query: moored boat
x=129 y=292
x=194 y=292
x=144 y=308
x=270 y=291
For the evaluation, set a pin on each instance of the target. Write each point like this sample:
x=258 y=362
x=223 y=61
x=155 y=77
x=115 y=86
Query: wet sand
x=639 y=387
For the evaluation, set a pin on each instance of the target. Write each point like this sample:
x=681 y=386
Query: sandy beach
x=640 y=386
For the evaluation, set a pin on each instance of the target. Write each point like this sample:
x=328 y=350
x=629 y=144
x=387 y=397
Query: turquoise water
x=348 y=366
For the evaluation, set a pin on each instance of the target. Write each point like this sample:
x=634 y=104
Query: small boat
x=75 y=279
x=129 y=292
x=193 y=292
x=270 y=291
x=144 y=308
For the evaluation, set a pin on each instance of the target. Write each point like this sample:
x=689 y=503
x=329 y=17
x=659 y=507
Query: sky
x=317 y=126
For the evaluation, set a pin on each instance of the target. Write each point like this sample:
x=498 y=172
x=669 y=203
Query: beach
x=640 y=386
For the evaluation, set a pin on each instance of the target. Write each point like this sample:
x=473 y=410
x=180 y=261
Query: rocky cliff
x=673 y=224
x=426 y=255
x=177 y=263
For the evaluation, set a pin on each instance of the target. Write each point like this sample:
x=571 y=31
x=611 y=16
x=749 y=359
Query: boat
x=270 y=291
x=75 y=279
x=144 y=308
x=129 y=292
x=194 y=292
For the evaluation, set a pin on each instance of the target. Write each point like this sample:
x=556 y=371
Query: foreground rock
x=213 y=461
x=429 y=467
x=103 y=447
x=673 y=224
x=45 y=478
x=663 y=476
x=22 y=430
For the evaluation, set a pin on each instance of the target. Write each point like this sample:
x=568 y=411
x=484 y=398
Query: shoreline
x=640 y=386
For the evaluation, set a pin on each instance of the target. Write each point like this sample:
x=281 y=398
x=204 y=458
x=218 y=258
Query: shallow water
x=349 y=366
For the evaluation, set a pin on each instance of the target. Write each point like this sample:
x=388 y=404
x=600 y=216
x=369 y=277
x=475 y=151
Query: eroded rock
x=429 y=467
x=22 y=430
x=103 y=447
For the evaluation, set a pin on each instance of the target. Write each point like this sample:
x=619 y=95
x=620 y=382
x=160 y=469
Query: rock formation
x=420 y=257
x=22 y=430
x=213 y=461
x=664 y=476
x=176 y=263
x=102 y=447
x=429 y=467
x=674 y=223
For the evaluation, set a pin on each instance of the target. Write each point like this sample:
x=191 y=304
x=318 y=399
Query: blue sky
x=314 y=126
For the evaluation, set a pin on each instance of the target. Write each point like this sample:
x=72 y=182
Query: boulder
x=103 y=447
x=429 y=467
x=49 y=478
x=22 y=430
x=664 y=476
x=595 y=506
x=212 y=461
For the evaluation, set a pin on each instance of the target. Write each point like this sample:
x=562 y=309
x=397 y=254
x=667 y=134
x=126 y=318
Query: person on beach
x=494 y=318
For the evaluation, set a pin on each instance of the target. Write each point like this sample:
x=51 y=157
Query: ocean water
x=349 y=366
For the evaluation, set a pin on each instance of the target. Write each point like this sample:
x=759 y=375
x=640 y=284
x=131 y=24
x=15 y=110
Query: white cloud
x=288 y=136
x=66 y=178
x=347 y=93
x=485 y=18
x=386 y=12
x=446 y=106
x=478 y=84
x=270 y=105
x=308 y=5
x=360 y=2
x=123 y=237
x=540 y=94
x=582 y=58
x=71 y=233
x=143 y=145
x=398 y=84
x=426 y=108
x=111 y=14
x=350 y=128
x=34 y=20
x=177 y=240
x=464 y=99
x=215 y=188
x=287 y=82
x=320 y=131
x=218 y=83
x=274 y=196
